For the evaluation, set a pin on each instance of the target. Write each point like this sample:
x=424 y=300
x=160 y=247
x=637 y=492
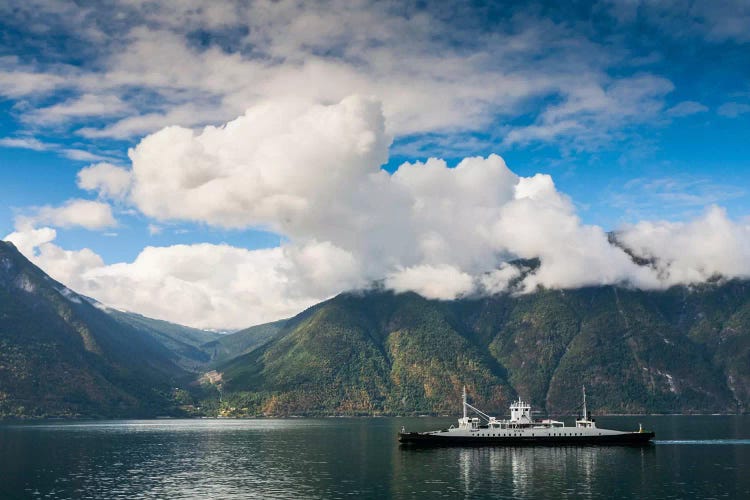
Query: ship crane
x=475 y=409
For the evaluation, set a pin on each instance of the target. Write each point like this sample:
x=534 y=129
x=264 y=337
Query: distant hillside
x=680 y=350
x=184 y=342
x=62 y=356
x=226 y=347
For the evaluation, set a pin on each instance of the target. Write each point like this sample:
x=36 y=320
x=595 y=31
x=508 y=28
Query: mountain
x=226 y=347
x=61 y=355
x=686 y=349
x=184 y=342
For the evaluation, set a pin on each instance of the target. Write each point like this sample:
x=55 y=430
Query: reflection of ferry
x=522 y=429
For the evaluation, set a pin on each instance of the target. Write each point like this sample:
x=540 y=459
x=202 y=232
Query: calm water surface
x=694 y=457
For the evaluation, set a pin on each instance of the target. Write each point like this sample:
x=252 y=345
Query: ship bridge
x=520 y=412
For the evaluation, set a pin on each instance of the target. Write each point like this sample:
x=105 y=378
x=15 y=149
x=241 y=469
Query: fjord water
x=693 y=457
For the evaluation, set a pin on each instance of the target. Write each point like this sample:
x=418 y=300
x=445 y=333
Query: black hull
x=626 y=439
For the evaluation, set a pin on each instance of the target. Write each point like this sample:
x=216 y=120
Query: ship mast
x=585 y=414
x=464 y=401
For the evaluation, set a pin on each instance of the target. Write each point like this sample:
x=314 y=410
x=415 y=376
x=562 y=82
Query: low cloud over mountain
x=312 y=174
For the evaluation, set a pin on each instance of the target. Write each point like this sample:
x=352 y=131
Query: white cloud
x=80 y=155
x=595 y=110
x=87 y=105
x=686 y=108
x=110 y=181
x=23 y=143
x=541 y=222
x=203 y=285
x=75 y=212
x=312 y=173
x=733 y=109
x=263 y=168
x=437 y=282
x=28 y=239
x=707 y=247
x=67 y=266
x=501 y=279
x=37 y=145
x=434 y=71
x=187 y=115
x=18 y=83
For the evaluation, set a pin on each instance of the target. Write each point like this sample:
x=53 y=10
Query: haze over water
x=693 y=457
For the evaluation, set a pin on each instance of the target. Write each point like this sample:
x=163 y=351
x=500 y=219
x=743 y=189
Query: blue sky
x=637 y=110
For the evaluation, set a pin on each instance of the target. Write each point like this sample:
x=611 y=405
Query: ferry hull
x=424 y=439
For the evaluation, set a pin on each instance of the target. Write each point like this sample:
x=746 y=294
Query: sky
x=224 y=164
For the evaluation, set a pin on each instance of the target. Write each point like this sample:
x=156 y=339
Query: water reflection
x=525 y=471
x=337 y=458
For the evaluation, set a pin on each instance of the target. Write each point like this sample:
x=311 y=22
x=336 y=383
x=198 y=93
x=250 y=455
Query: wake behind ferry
x=522 y=429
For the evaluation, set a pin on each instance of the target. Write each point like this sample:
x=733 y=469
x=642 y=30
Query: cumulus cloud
x=264 y=168
x=76 y=212
x=439 y=282
x=541 y=222
x=501 y=279
x=710 y=246
x=29 y=239
x=312 y=173
x=202 y=285
x=110 y=181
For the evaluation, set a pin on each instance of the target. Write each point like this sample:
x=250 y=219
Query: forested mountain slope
x=60 y=355
x=680 y=350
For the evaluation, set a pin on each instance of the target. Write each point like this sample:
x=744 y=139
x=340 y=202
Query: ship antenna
x=585 y=415
x=464 y=401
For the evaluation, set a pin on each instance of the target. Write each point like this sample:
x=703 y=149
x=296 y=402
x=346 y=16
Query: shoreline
x=320 y=417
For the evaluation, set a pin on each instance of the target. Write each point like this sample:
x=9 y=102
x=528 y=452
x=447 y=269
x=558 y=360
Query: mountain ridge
x=684 y=349
x=637 y=351
x=62 y=356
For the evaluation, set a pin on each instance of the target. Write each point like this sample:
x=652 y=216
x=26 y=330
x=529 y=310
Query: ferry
x=522 y=429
